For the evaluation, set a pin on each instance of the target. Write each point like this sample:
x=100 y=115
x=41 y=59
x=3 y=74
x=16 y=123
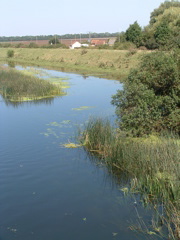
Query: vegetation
x=54 y=40
x=104 y=62
x=151 y=164
x=10 y=53
x=150 y=99
x=145 y=145
x=163 y=31
x=65 y=36
x=134 y=34
x=16 y=86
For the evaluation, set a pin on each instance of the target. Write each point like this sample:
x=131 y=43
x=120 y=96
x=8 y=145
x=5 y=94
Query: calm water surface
x=49 y=192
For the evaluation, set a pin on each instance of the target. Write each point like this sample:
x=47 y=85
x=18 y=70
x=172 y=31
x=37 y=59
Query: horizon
x=59 y=17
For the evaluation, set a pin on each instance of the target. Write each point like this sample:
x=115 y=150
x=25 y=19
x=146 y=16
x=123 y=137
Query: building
x=112 y=40
x=75 y=45
x=97 y=42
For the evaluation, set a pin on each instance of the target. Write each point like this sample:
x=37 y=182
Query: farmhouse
x=75 y=45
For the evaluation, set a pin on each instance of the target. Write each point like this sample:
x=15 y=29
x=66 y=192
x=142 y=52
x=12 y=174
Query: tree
x=134 y=34
x=150 y=99
x=164 y=27
x=54 y=40
x=163 y=34
x=160 y=10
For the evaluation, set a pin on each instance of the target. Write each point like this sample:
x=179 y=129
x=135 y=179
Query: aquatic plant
x=152 y=164
x=16 y=86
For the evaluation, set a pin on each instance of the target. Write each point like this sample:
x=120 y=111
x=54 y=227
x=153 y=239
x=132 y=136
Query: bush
x=124 y=45
x=33 y=45
x=10 y=53
x=84 y=51
x=150 y=100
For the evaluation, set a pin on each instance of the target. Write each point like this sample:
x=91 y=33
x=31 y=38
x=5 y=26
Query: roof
x=98 y=41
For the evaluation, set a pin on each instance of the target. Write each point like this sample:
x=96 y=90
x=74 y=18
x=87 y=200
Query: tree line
x=65 y=36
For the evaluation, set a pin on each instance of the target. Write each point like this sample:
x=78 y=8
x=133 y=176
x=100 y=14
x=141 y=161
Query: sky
x=49 y=17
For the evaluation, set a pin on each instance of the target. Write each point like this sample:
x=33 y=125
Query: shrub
x=84 y=51
x=150 y=99
x=10 y=53
x=33 y=45
x=131 y=52
x=124 y=45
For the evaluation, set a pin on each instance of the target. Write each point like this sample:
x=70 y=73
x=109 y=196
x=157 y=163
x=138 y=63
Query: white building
x=75 y=45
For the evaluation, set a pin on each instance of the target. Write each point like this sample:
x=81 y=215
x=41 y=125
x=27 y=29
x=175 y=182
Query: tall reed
x=15 y=86
x=152 y=164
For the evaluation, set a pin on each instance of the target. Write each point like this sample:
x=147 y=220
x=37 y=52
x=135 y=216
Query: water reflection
x=46 y=101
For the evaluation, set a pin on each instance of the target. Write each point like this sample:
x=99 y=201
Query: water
x=48 y=191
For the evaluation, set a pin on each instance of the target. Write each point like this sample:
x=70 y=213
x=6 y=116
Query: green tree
x=150 y=99
x=54 y=40
x=163 y=34
x=134 y=34
x=160 y=10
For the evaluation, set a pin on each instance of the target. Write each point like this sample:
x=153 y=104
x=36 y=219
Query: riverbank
x=150 y=163
x=113 y=64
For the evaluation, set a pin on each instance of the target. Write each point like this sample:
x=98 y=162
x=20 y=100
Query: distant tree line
x=65 y=36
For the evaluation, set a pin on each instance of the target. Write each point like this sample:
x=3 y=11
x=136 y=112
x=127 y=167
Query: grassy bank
x=107 y=63
x=152 y=166
x=16 y=86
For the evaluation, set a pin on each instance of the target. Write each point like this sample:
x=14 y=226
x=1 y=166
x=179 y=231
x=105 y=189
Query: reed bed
x=152 y=165
x=15 y=86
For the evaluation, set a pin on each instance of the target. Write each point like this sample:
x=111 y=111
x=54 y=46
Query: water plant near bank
x=151 y=163
x=15 y=86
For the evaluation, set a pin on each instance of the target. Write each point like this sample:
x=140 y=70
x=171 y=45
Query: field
x=106 y=63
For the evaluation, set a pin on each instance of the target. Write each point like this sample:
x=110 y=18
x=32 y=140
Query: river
x=49 y=192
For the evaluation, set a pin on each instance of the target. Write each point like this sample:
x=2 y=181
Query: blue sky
x=45 y=17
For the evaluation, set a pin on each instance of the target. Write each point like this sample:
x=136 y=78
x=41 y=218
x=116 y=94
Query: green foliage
x=164 y=29
x=16 y=86
x=10 y=53
x=160 y=10
x=54 y=40
x=162 y=34
x=124 y=45
x=150 y=99
x=33 y=45
x=134 y=34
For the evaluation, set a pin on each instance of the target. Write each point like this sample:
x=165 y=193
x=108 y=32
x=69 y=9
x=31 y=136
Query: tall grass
x=15 y=86
x=152 y=164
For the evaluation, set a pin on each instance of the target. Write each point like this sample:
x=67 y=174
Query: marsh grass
x=15 y=86
x=152 y=165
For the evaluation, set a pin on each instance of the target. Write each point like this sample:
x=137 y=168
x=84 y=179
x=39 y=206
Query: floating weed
x=125 y=190
x=82 y=108
x=84 y=219
x=12 y=229
x=71 y=145
x=56 y=124
x=66 y=121
x=50 y=132
x=114 y=234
